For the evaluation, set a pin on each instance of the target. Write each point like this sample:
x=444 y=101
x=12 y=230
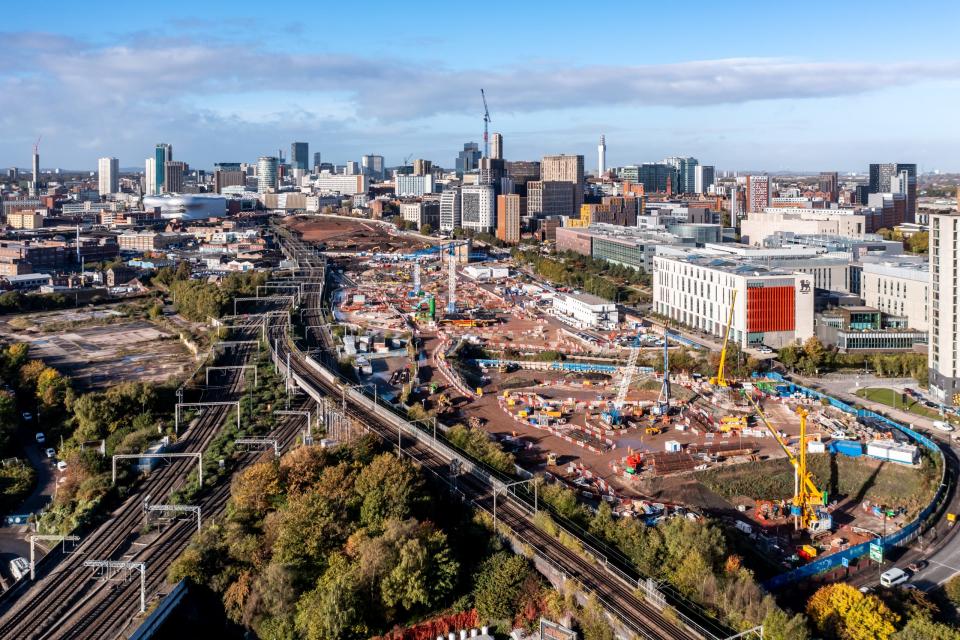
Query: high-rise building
x=162 y=154
x=942 y=359
x=880 y=174
x=565 y=168
x=758 y=193
x=228 y=174
x=496 y=146
x=511 y=208
x=602 y=156
x=477 y=208
x=268 y=168
x=413 y=185
x=521 y=172
x=173 y=173
x=704 y=177
x=149 y=177
x=685 y=171
x=491 y=172
x=372 y=166
x=881 y=180
x=469 y=159
x=656 y=177
x=108 y=175
x=316 y=162
x=35 y=173
x=829 y=185
x=422 y=167
x=352 y=168
x=300 y=155
x=450 y=218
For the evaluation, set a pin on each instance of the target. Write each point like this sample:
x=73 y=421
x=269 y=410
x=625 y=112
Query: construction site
x=448 y=333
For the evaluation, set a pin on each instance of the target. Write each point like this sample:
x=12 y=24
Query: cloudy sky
x=742 y=85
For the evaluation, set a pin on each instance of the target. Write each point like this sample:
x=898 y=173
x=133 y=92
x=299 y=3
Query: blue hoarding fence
x=899 y=537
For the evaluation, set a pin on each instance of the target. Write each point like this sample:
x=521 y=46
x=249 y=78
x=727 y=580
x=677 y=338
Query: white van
x=893 y=577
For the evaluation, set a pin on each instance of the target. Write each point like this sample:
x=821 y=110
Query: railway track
x=614 y=589
x=63 y=588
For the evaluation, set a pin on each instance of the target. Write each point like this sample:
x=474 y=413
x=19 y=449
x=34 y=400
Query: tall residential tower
x=108 y=175
x=602 y=156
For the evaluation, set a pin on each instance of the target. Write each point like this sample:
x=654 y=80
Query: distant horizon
x=750 y=85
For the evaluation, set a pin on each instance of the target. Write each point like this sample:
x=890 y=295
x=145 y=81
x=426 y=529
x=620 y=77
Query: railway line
x=614 y=588
x=63 y=601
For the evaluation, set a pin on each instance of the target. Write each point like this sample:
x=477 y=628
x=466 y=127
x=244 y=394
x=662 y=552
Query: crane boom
x=721 y=378
x=486 y=123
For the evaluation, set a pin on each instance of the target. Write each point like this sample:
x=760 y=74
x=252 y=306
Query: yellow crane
x=807 y=498
x=720 y=380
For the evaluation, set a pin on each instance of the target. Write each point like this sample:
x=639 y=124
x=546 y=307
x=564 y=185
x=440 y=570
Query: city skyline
x=768 y=101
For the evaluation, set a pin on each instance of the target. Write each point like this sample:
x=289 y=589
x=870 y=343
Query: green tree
x=919 y=242
x=332 y=610
x=593 y=621
x=426 y=229
x=497 y=588
x=388 y=488
x=924 y=629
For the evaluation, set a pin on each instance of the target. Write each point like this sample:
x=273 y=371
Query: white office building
x=108 y=175
x=268 y=173
x=478 y=208
x=450 y=217
x=586 y=311
x=150 y=177
x=774 y=306
x=346 y=185
x=899 y=288
x=415 y=186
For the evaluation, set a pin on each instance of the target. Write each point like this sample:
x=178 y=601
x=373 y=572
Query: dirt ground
x=101 y=355
x=351 y=235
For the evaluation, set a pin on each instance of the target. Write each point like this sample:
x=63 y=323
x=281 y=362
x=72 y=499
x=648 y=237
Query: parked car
x=61 y=466
x=940 y=425
x=27 y=416
x=40 y=437
x=917 y=566
x=50 y=452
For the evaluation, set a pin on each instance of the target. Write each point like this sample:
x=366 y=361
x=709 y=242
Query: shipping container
x=903 y=453
x=672 y=445
x=879 y=449
x=850 y=448
x=816 y=447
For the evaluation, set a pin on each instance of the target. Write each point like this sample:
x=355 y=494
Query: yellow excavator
x=720 y=380
x=807 y=498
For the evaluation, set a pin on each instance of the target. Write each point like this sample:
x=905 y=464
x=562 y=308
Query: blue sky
x=742 y=85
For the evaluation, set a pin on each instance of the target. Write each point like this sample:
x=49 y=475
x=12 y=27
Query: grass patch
x=841 y=476
x=894 y=399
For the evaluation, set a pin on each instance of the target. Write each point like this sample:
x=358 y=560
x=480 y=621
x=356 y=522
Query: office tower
x=162 y=154
x=496 y=146
x=299 y=155
x=829 y=185
x=909 y=184
x=880 y=174
x=228 y=174
x=602 y=156
x=565 y=168
x=684 y=170
x=881 y=181
x=862 y=194
x=268 y=169
x=316 y=162
x=477 y=208
x=450 y=210
x=422 y=167
x=522 y=172
x=35 y=172
x=108 y=175
x=758 y=193
x=511 y=208
x=703 y=178
x=942 y=360
x=352 y=168
x=150 y=177
x=551 y=199
x=372 y=167
x=656 y=177
x=173 y=173
x=468 y=159
x=734 y=207
x=491 y=172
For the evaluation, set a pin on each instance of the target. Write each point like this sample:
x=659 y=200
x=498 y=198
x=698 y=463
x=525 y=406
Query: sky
x=740 y=85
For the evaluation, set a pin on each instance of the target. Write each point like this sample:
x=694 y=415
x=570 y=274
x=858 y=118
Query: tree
x=388 y=488
x=952 y=590
x=332 y=610
x=919 y=242
x=778 y=625
x=497 y=588
x=925 y=629
x=841 y=611
x=426 y=229
x=52 y=388
x=593 y=621
x=256 y=488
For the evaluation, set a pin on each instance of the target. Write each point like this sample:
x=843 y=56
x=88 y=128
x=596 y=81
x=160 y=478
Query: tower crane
x=720 y=380
x=807 y=497
x=663 y=401
x=486 y=126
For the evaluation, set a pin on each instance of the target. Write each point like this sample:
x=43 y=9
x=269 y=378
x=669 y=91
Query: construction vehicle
x=732 y=423
x=720 y=380
x=654 y=430
x=552 y=459
x=808 y=500
x=634 y=463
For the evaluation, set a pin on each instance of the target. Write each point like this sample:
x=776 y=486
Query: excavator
x=720 y=380
x=808 y=500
